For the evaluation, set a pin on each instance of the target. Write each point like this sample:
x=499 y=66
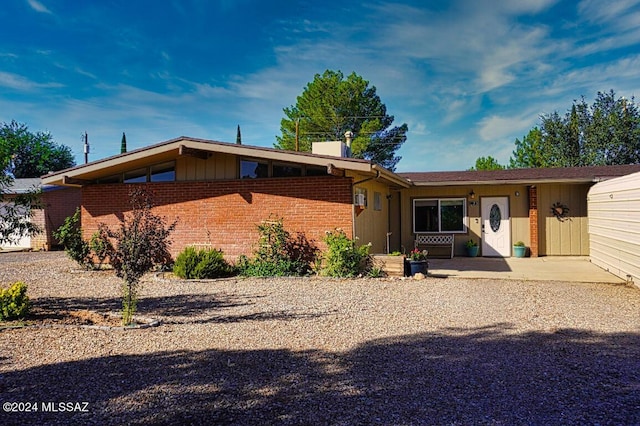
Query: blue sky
x=467 y=76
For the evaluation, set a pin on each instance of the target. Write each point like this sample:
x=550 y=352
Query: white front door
x=496 y=229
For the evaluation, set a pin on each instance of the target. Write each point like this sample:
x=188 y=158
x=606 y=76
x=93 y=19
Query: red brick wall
x=533 y=221
x=225 y=213
x=57 y=205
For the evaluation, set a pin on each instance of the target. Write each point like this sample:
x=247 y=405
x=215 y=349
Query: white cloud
x=497 y=127
x=18 y=82
x=38 y=7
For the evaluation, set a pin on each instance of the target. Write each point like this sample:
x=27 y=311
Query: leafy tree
x=605 y=133
x=15 y=213
x=487 y=163
x=28 y=154
x=331 y=105
x=529 y=152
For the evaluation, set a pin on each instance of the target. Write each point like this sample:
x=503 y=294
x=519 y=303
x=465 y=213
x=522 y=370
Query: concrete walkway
x=547 y=268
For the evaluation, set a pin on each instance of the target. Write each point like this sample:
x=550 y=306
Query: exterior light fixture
x=472 y=195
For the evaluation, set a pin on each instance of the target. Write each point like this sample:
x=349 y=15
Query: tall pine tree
x=331 y=105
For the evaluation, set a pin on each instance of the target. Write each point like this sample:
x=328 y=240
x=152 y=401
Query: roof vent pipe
x=349 y=137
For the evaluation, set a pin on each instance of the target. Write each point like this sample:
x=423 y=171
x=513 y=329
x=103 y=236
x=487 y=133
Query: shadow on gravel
x=457 y=376
x=176 y=309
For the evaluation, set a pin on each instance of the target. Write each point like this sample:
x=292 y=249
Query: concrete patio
x=548 y=268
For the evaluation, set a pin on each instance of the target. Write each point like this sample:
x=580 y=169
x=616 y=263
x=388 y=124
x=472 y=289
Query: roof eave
x=71 y=174
x=505 y=182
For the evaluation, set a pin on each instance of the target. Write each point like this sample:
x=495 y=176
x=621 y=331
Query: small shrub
x=376 y=272
x=278 y=253
x=470 y=243
x=14 y=302
x=201 y=264
x=343 y=257
x=69 y=235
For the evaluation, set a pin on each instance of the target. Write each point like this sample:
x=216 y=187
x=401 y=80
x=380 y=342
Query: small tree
x=141 y=243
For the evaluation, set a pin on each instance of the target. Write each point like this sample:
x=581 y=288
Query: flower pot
x=472 y=251
x=519 y=251
x=418 y=266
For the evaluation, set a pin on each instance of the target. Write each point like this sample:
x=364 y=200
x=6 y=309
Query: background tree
x=487 y=163
x=331 y=105
x=605 y=133
x=16 y=212
x=26 y=154
x=123 y=144
x=529 y=152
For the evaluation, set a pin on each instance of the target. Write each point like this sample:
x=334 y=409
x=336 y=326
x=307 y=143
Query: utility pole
x=86 y=147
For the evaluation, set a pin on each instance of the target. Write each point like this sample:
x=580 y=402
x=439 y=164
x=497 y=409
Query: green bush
x=278 y=253
x=201 y=264
x=343 y=257
x=69 y=235
x=14 y=302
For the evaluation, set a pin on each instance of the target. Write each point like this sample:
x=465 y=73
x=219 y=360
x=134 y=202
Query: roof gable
x=174 y=148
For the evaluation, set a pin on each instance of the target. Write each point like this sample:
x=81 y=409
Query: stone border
x=143 y=322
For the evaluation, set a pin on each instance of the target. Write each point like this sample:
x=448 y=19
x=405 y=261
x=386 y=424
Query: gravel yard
x=319 y=351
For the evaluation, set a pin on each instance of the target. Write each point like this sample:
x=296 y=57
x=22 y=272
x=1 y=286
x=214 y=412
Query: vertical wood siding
x=566 y=237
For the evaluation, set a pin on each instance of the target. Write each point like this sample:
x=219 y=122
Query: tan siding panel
x=518 y=210
x=566 y=237
x=371 y=225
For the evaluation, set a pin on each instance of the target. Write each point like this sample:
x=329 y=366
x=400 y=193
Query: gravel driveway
x=318 y=351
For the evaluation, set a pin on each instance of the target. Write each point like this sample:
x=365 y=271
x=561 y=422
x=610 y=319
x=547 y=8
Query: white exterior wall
x=22 y=243
x=614 y=226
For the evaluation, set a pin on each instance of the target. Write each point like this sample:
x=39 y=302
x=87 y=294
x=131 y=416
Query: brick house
x=219 y=192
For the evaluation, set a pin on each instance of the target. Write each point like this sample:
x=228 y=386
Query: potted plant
x=472 y=248
x=519 y=249
x=418 y=261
